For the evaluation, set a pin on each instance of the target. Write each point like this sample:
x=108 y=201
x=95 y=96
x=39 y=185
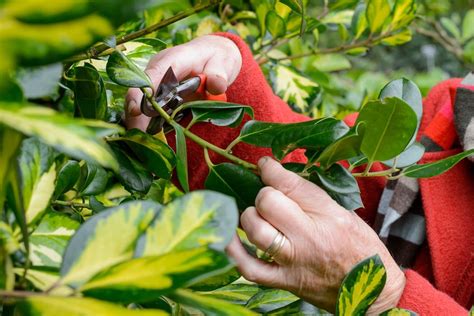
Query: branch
x=339 y=49
x=103 y=49
x=195 y=138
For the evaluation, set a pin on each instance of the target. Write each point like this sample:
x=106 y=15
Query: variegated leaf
x=398 y=312
x=295 y=89
x=75 y=306
x=361 y=287
x=37 y=178
x=234 y=293
x=78 y=138
x=144 y=279
x=199 y=218
x=208 y=305
x=270 y=299
x=10 y=141
x=105 y=240
x=41 y=279
x=48 y=241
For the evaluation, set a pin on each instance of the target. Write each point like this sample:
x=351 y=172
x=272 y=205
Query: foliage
x=91 y=222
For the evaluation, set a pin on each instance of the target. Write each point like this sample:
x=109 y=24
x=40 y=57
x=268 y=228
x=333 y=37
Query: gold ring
x=275 y=246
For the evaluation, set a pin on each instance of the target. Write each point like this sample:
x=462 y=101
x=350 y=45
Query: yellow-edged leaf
x=377 y=13
x=209 y=305
x=398 y=312
x=144 y=279
x=399 y=38
x=105 y=240
x=199 y=218
x=78 y=138
x=75 y=306
x=361 y=287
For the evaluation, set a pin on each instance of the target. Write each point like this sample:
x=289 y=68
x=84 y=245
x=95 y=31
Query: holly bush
x=92 y=223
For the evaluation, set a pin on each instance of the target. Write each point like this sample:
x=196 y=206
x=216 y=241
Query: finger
x=308 y=195
x=253 y=269
x=262 y=234
x=219 y=71
x=280 y=211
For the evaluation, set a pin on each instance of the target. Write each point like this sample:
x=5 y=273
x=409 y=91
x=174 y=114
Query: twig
x=70 y=203
x=195 y=138
x=102 y=49
x=369 y=42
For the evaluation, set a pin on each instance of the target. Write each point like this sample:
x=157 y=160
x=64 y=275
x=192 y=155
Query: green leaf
x=7 y=277
x=125 y=73
x=324 y=132
x=406 y=90
x=10 y=141
x=105 y=240
x=218 y=113
x=234 y=293
x=398 y=39
x=435 y=168
x=275 y=24
x=78 y=138
x=93 y=180
x=132 y=175
x=68 y=175
x=468 y=25
x=144 y=279
x=199 y=218
x=389 y=127
x=262 y=134
x=410 y=156
x=398 y=312
x=10 y=91
x=155 y=155
x=361 y=287
x=48 y=241
x=236 y=181
x=347 y=146
x=90 y=99
x=182 y=157
x=340 y=184
x=75 y=306
x=217 y=281
x=294 y=88
x=270 y=299
x=377 y=13
x=209 y=305
x=38 y=176
x=451 y=27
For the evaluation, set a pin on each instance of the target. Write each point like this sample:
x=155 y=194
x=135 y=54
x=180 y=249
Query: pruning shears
x=170 y=94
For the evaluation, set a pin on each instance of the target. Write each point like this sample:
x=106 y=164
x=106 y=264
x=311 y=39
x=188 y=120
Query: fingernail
x=262 y=161
x=131 y=108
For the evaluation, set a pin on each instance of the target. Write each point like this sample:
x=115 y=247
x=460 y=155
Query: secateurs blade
x=170 y=94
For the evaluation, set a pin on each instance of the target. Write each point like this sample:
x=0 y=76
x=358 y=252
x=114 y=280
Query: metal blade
x=168 y=83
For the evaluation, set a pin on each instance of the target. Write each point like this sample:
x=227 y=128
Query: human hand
x=215 y=56
x=323 y=241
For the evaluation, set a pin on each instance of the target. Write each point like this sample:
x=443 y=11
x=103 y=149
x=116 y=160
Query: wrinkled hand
x=324 y=241
x=215 y=56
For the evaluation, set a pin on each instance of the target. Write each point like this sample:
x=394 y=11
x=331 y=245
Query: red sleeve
x=421 y=297
x=249 y=88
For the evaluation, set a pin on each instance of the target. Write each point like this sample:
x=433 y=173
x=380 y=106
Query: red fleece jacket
x=448 y=199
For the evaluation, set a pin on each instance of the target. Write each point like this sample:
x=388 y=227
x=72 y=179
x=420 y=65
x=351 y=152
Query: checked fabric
x=400 y=221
